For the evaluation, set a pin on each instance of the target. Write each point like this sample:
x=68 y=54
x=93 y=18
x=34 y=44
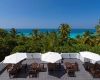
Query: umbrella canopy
x=15 y=58
x=90 y=55
x=51 y=57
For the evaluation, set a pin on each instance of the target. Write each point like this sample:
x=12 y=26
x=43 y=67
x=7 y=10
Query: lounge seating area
x=70 y=67
x=13 y=69
x=34 y=69
x=23 y=74
x=93 y=69
x=54 y=66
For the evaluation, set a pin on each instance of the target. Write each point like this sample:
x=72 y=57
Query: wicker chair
x=13 y=72
x=33 y=70
x=8 y=67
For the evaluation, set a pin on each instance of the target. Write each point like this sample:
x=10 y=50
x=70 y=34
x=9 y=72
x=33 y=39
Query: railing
x=70 y=55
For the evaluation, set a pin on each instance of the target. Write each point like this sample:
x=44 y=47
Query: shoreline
x=74 y=32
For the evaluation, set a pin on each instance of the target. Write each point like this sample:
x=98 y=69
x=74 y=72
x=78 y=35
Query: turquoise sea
x=74 y=32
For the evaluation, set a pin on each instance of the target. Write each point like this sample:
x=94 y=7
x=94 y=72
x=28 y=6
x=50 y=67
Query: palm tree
x=97 y=41
x=98 y=28
x=87 y=34
x=13 y=32
x=64 y=30
x=97 y=36
x=35 y=33
x=87 y=38
x=88 y=41
x=3 y=33
x=52 y=40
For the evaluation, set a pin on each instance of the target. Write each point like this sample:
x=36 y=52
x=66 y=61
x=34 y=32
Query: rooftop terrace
x=82 y=74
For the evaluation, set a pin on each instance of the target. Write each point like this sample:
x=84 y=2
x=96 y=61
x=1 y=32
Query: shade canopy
x=15 y=58
x=51 y=57
x=92 y=56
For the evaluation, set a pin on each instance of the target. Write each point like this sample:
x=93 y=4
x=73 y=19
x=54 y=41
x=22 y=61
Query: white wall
x=74 y=55
x=70 y=55
x=65 y=55
x=34 y=55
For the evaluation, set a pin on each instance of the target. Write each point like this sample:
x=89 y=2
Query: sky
x=49 y=13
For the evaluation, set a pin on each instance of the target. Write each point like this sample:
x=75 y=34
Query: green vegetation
x=11 y=42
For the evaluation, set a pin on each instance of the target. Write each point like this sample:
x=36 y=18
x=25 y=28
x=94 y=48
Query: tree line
x=58 y=41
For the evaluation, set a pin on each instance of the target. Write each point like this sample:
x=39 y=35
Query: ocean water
x=73 y=34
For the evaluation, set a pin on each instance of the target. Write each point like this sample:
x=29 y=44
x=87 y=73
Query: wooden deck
x=45 y=75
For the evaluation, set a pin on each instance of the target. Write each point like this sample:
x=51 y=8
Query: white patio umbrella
x=15 y=58
x=51 y=57
x=90 y=55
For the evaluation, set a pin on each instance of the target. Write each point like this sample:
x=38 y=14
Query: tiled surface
x=59 y=75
